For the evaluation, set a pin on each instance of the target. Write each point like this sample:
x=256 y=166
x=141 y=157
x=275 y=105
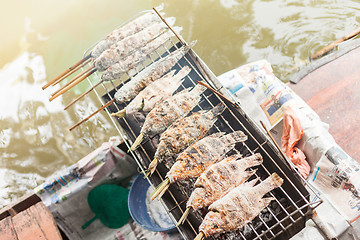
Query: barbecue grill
x=284 y=217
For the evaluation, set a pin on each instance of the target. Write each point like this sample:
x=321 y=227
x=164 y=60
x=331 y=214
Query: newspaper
x=336 y=176
x=262 y=95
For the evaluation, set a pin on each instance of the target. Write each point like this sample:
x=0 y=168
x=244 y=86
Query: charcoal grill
x=284 y=217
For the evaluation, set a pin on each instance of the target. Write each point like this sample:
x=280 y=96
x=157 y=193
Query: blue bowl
x=149 y=215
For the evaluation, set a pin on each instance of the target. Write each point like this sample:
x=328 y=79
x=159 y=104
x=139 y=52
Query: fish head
x=213 y=223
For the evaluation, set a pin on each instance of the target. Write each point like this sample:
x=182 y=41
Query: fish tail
x=269 y=184
x=218 y=109
x=234 y=137
x=254 y=160
x=198 y=89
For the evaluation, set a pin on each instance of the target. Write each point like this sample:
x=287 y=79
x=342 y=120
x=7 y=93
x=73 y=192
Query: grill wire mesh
x=285 y=216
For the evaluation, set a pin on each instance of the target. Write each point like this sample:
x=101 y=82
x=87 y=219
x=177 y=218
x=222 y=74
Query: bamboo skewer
x=199 y=236
x=63 y=90
x=72 y=80
x=184 y=216
x=82 y=95
x=161 y=189
x=67 y=71
x=91 y=115
x=334 y=44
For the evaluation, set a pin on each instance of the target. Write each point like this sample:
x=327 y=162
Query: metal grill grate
x=290 y=209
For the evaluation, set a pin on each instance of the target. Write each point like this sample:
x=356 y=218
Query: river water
x=41 y=38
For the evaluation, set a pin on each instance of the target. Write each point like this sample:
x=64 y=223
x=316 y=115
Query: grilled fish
x=130 y=28
x=168 y=111
x=127 y=64
x=242 y=204
x=195 y=159
x=151 y=73
x=185 y=131
x=220 y=178
x=124 y=47
x=155 y=92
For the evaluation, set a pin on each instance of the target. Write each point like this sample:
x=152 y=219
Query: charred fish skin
x=157 y=91
x=185 y=131
x=220 y=178
x=195 y=159
x=127 y=64
x=130 y=28
x=148 y=75
x=171 y=109
x=124 y=47
x=240 y=205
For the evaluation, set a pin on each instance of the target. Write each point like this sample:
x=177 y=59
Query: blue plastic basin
x=139 y=211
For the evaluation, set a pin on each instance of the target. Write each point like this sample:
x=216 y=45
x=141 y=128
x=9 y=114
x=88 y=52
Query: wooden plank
x=21 y=204
x=36 y=223
x=7 y=231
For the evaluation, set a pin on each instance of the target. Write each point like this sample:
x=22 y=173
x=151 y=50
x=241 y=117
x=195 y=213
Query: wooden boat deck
x=29 y=219
x=333 y=92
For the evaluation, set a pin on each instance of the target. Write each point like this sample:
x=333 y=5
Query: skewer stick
x=162 y=19
x=91 y=115
x=184 y=216
x=329 y=47
x=163 y=191
x=199 y=236
x=82 y=95
x=120 y=114
x=72 y=80
x=216 y=92
x=164 y=185
x=152 y=167
x=277 y=146
x=70 y=69
x=137 y=142
x=69 y=73
x=72 y=85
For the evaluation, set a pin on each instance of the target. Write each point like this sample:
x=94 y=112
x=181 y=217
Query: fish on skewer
x=241 y=205
x=128 y=63
x=219 y=179
x=199 y=156
x=148 y=75
x=118 y=34
x=130 y=28
x=124 y=47
x=157 y=91
x=118 y=51
x=183 y=133
x=168 y=111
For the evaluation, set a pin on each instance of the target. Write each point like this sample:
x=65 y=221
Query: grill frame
x=285 y=226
